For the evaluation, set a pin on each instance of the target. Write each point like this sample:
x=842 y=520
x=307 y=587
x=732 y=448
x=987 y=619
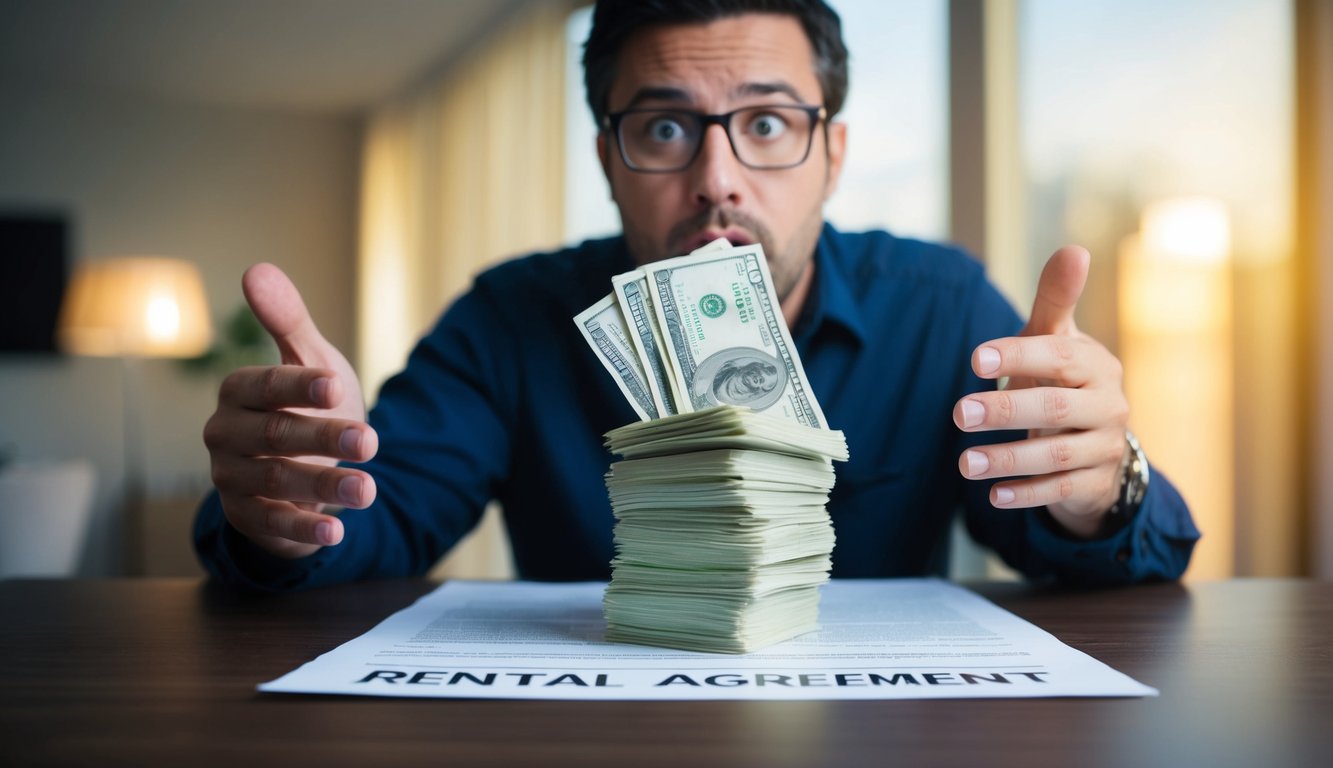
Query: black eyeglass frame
x=613 y=120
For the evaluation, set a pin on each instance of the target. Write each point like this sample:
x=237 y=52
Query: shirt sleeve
x=444 y=448
x=1155 y=545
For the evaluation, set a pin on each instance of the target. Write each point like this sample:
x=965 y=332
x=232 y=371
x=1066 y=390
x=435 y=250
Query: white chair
x=45 y=509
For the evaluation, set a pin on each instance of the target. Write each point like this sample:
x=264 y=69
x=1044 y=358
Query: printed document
x=879 y=639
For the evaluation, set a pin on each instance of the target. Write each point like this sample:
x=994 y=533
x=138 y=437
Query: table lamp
x=132 y=308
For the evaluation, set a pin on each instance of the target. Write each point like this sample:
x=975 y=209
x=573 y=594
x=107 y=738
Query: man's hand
x=1066 y=390
x=279 y=431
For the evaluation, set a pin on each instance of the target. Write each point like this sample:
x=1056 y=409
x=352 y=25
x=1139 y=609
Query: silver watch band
x=1134 y=478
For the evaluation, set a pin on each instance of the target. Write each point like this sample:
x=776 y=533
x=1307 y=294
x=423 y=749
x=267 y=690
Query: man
x=502 y=400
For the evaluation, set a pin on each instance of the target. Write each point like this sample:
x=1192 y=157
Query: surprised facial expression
x=742 y=61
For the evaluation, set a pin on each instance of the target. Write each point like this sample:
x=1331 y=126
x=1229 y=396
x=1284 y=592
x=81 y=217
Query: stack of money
x=722 y=536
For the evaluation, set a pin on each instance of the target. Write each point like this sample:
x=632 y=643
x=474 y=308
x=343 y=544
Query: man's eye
x=665 y=129
x=767 y=126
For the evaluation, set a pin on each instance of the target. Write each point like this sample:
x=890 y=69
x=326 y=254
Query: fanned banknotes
x=706 y=329
x=722 y=534
x=603 y=326
x=726 y=341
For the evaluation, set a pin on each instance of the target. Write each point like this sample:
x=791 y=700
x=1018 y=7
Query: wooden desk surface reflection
x=163 y=672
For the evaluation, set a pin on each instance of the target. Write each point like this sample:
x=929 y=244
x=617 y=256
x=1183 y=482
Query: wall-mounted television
x=34 y=267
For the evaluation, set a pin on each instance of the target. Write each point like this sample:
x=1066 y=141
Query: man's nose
x=715 y=172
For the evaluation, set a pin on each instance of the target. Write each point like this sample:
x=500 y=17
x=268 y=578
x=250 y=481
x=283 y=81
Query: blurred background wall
x=223 y=187
x=219 y=133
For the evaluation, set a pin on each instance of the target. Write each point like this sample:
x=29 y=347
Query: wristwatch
x=1133 y=487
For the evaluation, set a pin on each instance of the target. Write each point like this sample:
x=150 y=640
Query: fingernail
x=350 y=442
x=1003 y=496
x=324 y=532
x=973 y=413
x=988 y=360
x=319 y=390
x=977 y=463
x=349 y=490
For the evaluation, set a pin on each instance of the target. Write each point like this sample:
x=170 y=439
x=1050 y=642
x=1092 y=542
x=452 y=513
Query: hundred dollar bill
x=726 y=339
x=631 y=293
x=604 y=328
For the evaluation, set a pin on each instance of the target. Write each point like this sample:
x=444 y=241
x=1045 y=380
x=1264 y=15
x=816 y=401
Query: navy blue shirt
x=503 y=400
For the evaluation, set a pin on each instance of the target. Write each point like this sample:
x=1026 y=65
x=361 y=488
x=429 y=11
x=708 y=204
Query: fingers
x=245 y=434
x=1067 y=361
x=283 y=528
x=1057 y=470
x=295 y=481
x=311 y=408
x=280 y=309
x=1040 y=408
x=281 y=386
x=1065 y=390
x=1058 y=291
x=1063 y=452
x=1052 y=491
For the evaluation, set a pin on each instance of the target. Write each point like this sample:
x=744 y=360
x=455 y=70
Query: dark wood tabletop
x=163 y=672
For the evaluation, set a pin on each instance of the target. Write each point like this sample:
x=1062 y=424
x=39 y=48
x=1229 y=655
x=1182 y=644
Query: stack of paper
x=722 y=536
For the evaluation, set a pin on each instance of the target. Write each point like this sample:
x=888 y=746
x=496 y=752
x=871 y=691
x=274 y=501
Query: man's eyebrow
x=768 y=89
x=680 y=95
x=658 y=93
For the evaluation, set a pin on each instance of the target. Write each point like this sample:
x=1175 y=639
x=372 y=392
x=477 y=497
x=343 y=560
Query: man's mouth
x=733 y=235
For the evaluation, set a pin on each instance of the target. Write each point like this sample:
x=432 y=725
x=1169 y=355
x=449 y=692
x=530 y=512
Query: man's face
x=748 y=60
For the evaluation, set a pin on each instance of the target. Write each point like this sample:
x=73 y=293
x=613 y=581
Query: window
x=1159 y=136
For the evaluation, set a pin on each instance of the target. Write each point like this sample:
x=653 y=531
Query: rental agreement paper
x=879 y=639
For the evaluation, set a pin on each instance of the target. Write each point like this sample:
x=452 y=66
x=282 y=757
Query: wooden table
x=163 y=672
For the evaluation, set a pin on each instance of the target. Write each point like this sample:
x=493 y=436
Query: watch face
x=1134 y=484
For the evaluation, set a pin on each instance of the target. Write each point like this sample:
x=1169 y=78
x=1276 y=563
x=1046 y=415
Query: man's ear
x=604 y=156
x=837 y=150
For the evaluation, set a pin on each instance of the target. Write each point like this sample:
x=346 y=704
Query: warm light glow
x=1176 y=308
x=163 y=318
x=388 y=219
x=1189 y=229
x=1164 y=295
x=138 y=306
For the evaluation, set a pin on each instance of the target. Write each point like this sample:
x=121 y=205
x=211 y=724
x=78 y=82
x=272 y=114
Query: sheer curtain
x=463 y=171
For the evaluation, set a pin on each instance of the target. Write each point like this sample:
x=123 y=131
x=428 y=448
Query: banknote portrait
x=739 y=376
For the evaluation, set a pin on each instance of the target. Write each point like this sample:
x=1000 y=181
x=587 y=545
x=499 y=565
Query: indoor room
x=392 y=158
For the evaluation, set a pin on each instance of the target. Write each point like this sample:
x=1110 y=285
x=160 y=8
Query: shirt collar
x=832 y=300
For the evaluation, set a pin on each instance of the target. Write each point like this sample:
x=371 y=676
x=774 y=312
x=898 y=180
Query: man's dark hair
x=613 y=21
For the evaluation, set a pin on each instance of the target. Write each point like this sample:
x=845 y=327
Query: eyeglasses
x=762 y=137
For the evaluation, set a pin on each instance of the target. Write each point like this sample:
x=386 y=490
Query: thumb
x=279 y=308
x=1058 y=292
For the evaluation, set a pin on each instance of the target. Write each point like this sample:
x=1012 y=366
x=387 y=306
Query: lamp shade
x=142 y=306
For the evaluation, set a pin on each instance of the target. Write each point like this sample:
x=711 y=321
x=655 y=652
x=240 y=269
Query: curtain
x=464 y=170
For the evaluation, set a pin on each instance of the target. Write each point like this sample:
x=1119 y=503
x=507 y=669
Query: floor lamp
x=133 y=308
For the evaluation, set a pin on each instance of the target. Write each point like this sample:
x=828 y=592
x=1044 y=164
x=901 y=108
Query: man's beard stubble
x=786 y=272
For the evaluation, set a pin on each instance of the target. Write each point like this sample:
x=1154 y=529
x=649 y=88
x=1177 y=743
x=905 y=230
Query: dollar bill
x=725 y=338
x=631 y=292
x=603 y=326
